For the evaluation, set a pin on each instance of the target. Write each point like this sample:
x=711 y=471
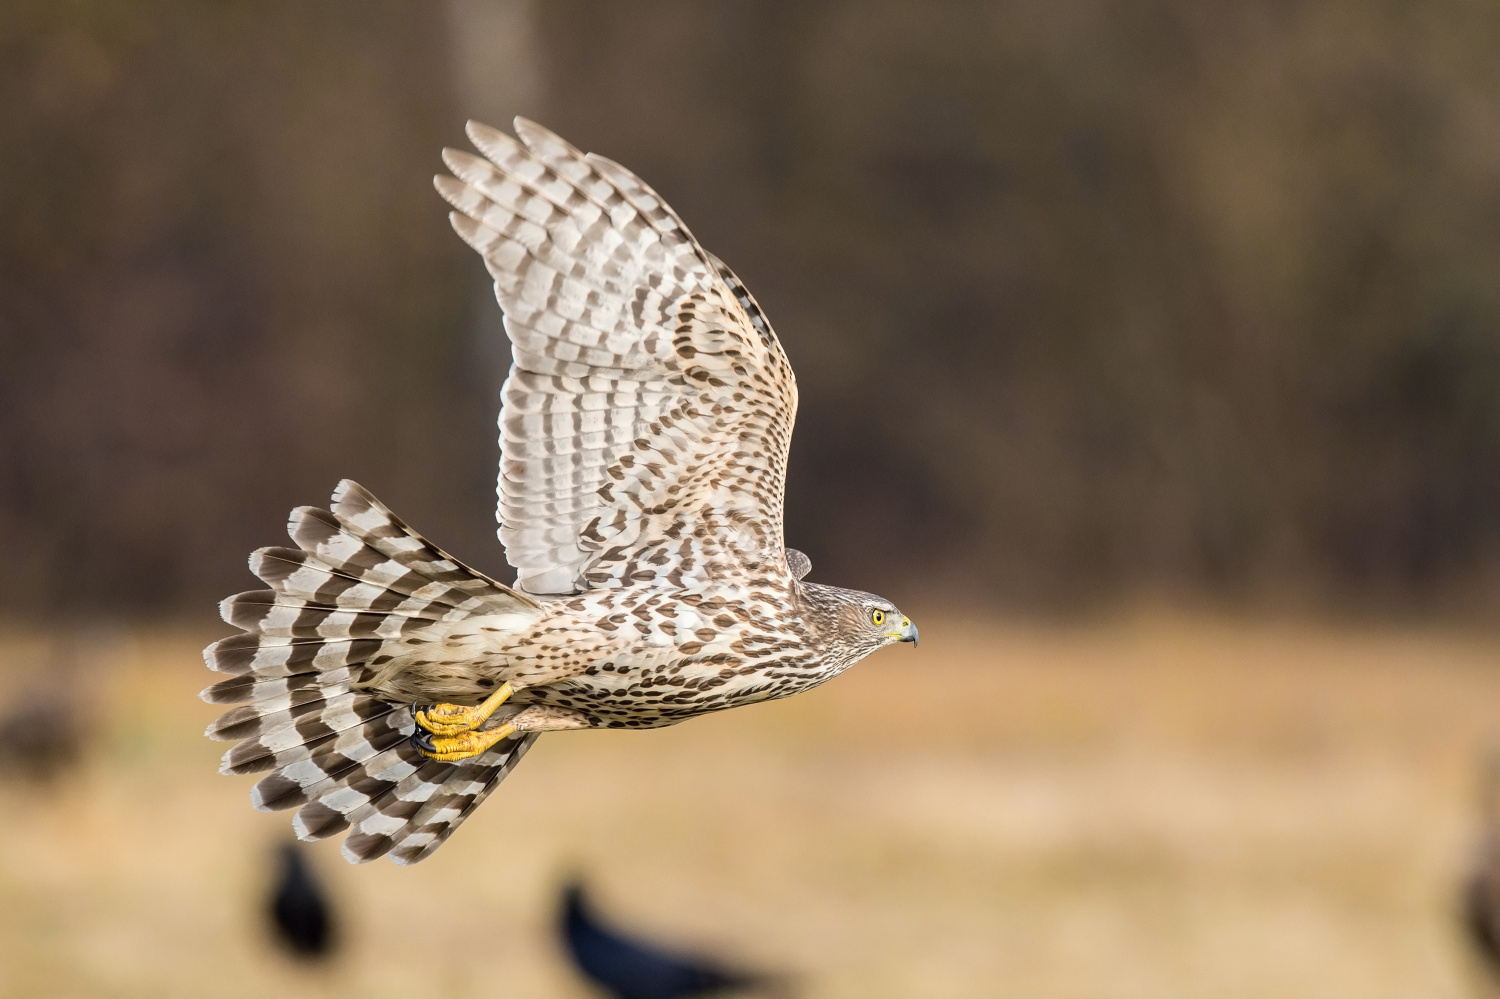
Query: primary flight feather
x=645 y=427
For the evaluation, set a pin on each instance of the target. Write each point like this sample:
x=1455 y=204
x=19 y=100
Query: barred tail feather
x=268 y=655
x=328 y=766
x=414 y=817
x=286 y=738
x=459 y=795
x=360 y=586
x=253 y=688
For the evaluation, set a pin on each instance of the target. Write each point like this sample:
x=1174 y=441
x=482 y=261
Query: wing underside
x=648 y=413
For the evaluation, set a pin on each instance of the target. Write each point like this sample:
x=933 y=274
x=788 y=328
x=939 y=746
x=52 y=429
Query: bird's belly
x=651 y=694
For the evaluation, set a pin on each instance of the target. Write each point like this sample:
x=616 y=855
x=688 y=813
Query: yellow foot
x=450 y=732
x=452 y=748
x=451 y=719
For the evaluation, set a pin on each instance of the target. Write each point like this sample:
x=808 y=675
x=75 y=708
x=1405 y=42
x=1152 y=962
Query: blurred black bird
x=1482 y=909
x=44 y=731
x=1481 y=900
x=299 y=909
x=633 y=969
x=39 y=738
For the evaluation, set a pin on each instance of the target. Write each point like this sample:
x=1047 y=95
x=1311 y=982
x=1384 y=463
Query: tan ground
x=1161 y=806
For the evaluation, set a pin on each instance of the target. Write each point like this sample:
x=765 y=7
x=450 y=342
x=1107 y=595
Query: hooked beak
x=908 y=632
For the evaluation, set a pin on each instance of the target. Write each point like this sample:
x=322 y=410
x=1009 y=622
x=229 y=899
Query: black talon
x=421 y=737
x=416 y=708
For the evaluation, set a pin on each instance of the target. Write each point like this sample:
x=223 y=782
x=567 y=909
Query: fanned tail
x=360 y=588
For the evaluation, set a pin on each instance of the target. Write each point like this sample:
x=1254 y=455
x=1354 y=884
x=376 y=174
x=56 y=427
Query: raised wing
x=648 y=413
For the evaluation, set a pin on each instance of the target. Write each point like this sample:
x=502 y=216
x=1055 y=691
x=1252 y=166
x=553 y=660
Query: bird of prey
x=628 y=968
x=645 y=426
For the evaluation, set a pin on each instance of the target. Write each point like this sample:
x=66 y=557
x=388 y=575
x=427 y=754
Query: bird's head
x=855 y=623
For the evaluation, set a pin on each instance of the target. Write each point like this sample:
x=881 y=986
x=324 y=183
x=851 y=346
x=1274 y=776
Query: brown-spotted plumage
x=644 y=433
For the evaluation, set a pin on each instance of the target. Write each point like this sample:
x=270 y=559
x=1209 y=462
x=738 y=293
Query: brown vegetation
x=1160 y=806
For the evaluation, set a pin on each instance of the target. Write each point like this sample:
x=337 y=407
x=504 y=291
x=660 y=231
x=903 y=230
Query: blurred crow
x=631 y=969
x=304 y=924
x=1482 y=906
x=39 y=738
x=1481 y=901
x=43 y=732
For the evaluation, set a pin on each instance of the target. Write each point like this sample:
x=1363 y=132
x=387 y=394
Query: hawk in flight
x=387 y=688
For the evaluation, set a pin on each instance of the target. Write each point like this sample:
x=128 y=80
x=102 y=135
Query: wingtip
x=479 y=133
x=457 y=194
x=532 y=135
x=544 y=142
x=454 y=159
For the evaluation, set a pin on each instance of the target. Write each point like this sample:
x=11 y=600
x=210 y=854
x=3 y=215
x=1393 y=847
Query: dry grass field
x=1157 y=806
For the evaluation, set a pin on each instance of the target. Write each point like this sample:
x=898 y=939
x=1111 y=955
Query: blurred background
x=1149 y=353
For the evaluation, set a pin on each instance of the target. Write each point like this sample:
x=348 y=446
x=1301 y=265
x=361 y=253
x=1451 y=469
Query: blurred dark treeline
x=1083 y=295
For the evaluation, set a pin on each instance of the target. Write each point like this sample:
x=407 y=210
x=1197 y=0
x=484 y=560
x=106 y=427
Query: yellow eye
x=878 y=616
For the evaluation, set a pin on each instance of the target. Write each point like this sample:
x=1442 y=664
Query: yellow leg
x=452 y=748
x=452 y=719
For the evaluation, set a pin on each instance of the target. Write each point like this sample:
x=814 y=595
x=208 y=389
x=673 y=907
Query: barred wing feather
x=358 y=587
x=648 y=413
